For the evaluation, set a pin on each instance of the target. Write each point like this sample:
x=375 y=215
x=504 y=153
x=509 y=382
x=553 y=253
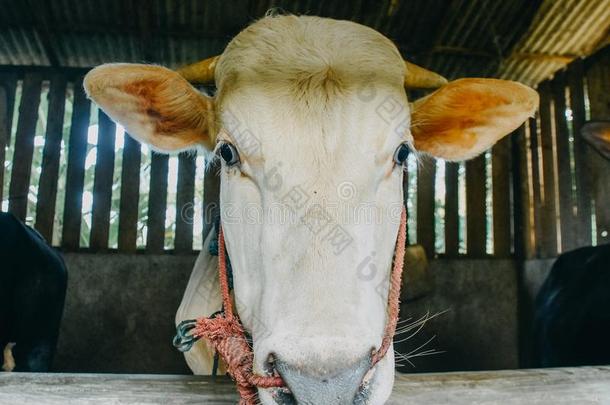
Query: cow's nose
x=340 y=387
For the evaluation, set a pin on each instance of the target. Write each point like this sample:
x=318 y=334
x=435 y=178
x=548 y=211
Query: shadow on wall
x=119 y=315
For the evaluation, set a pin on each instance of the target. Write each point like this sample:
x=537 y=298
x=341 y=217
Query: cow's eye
x=228 y=153
x=401 y=154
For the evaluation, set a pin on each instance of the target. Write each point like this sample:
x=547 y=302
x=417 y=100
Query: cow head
x=312 y=126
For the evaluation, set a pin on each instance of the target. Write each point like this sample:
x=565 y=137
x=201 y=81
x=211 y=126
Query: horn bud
x=200 y=72
x=417 y=77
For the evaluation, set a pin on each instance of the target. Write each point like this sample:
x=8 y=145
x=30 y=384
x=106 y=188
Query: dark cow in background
x=572 y=308
x=572 y=319
x=33 y=281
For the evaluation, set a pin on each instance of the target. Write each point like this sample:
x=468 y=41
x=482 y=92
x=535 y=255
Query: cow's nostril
x=333 y=388
x=269 y=365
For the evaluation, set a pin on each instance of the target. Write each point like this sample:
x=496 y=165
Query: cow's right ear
x=154 y=104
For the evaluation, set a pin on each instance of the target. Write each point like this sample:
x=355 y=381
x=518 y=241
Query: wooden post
x=157 y=204
x=426 y=171
x=501 y=197
x=130 y=194
x=24 y=145
x=8 y=83
x=102 y=183
x=536 y=159
x=185 y=196
x=75 y=172
x=598 y=85
x=47 y=187
x=476 y=233
x=549 y=209
x=451 y=209
x=583 y=229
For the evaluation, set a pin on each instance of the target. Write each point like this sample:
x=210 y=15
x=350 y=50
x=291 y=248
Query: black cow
x=572 y=319
x=33 y=281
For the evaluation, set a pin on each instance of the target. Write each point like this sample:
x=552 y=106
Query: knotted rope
x=227 y=336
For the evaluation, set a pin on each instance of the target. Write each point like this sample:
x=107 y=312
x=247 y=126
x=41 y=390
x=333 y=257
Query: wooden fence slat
x=157 y=203
x=501 y=168
x=476 y=233
x=548 y=245
x=521 y=181
x=452 y=239
x=536 y=185
x=24 y=145
x=47 y=187
x=75 y=171
x=102 y=183
x=426 y=171
x=130 y=194
x=185 y=195
x=8 y=84
x=598 y=86
x=564 y=170
x=211 y=194
x=583 y=186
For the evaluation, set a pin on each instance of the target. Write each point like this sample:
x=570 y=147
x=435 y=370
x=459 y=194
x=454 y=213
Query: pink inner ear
x=597 y=134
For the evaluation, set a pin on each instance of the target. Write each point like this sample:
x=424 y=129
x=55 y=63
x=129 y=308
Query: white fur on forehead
x=288 y=50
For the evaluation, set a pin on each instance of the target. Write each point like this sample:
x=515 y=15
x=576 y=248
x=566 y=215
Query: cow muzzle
x=337 y=387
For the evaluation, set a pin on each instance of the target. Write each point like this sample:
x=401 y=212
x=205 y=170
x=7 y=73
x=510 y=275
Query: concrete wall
x=479 y=331
x=119 y=314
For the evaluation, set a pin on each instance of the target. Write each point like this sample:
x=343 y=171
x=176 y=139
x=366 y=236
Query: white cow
x=311 y=122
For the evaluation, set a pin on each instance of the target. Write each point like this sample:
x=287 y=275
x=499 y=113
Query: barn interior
x=130 y=223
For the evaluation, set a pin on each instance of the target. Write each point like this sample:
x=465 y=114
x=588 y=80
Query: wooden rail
x=585 y=385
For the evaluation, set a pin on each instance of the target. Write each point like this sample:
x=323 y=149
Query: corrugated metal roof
x=527 y=40
x=560 y=32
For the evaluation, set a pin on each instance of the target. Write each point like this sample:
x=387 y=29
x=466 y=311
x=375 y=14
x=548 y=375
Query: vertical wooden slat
x=24 y=145
x=564 y=171
x=157 y=203
x=47 y=187
x=582 y=177
x=548 y=246
x=8 y=83
x=452 y=239
x=598 y=86
x=475 y=207
x=185 y=196
x=522 y=199
x=75 y=172
x=102 y=183
x=536 y=185
x=501 y=165
x=130 y=194
x=211 y=194
x=426 y=171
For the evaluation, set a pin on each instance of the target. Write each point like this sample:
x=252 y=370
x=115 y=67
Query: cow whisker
x=419 y=324
x=417 y=353
x=412 y=325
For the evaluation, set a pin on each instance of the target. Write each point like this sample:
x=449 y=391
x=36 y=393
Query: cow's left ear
x=466 y=117
x=154 y=104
